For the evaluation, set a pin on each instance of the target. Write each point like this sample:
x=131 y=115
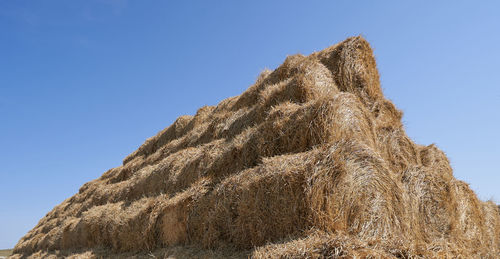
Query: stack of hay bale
x=310 y=161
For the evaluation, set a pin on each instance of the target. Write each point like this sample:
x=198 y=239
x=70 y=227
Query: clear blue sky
x=84 y=83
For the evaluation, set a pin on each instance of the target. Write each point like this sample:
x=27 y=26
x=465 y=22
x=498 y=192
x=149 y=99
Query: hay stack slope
x=310 y=161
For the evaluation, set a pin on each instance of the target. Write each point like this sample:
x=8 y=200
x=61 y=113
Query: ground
x=5 y=252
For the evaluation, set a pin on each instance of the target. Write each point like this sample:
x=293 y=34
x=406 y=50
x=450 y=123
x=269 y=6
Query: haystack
x=310 y=161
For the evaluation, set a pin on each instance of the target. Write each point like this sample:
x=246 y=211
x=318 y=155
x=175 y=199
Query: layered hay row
x=310 y=161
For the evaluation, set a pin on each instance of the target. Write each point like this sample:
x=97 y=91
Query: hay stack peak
x=310 y=161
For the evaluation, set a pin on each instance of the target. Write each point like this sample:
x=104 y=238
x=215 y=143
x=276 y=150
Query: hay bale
x=295 y=128
x=261 y=204
x=435 y=159
x=430 y=203
x=176 y=130
x=338 y=204
x=397 y=149
x=354 y=68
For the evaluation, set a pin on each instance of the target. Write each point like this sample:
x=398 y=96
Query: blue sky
x=84 y=83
